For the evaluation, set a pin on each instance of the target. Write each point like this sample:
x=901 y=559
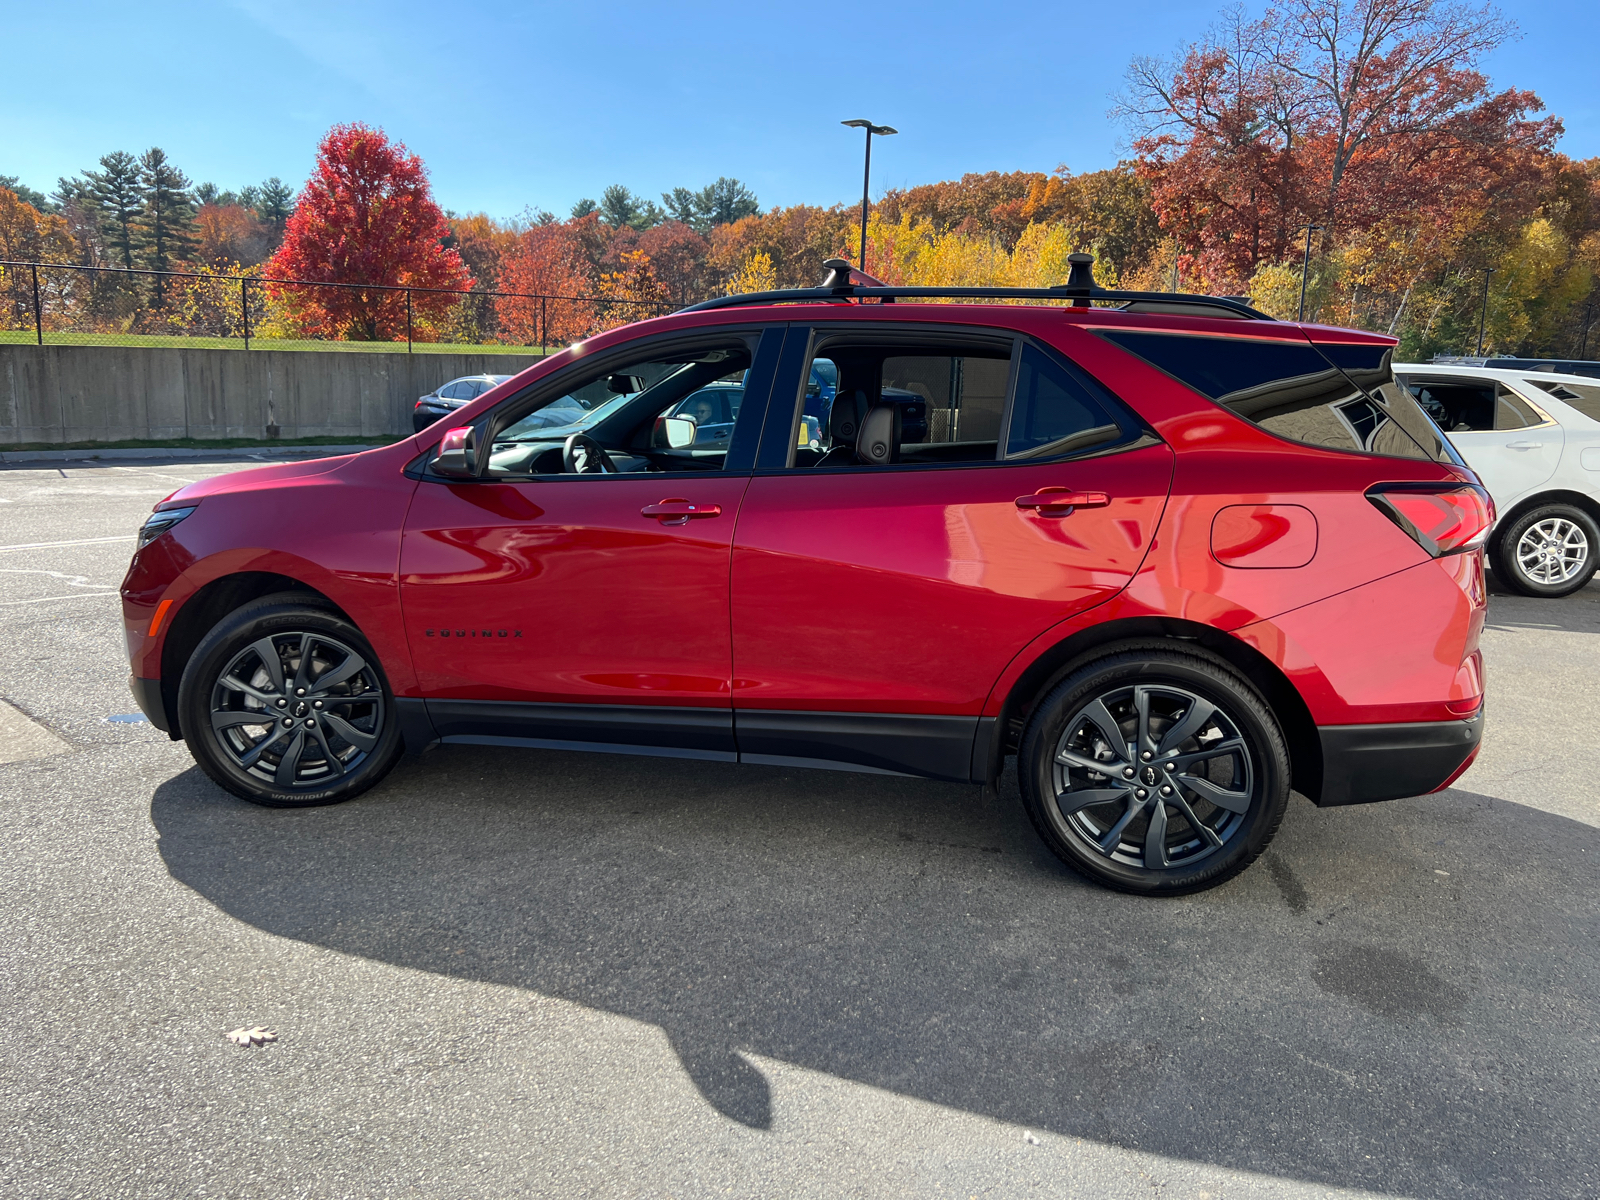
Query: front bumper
x=1362 y=764
x=147 y=695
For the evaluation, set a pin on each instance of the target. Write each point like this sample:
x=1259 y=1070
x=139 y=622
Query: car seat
x=878 y=443
x=844 y=426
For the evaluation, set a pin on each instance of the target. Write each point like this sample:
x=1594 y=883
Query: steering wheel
x=582 y=455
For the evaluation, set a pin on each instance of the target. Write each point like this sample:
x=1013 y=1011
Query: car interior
x=1471 y=405
x=644 y=429
x=931 y=409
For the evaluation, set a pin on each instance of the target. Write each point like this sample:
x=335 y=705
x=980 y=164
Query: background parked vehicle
x=1534 y=439
x=451 y=396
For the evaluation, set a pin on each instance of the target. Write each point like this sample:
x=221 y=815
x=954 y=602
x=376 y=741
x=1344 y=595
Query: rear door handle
x=1524 y=445
x=1047 y=499
x=679 y=511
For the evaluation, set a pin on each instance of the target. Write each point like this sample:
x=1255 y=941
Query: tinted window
x=460 y=389
x=1297 y=391
x=1585 y=397
x=1471 y=405
x=1056 y=412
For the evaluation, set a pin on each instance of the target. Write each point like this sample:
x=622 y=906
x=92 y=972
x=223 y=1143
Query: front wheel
x=285 y=704
x=1154 y=771
x=1548 y=551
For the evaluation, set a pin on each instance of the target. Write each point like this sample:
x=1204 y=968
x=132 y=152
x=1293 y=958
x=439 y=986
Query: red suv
x=1174 y=556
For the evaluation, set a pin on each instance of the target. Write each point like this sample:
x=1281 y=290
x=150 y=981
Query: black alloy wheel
x=1548 y=551
x=1155 y=771
x=284 y=704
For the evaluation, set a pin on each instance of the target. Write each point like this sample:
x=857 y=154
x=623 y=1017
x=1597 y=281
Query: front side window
x=664 y=411
x=923 y=401
x=1342 y=397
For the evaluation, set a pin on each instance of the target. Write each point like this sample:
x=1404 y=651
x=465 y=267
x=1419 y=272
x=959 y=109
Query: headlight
x=160 y=522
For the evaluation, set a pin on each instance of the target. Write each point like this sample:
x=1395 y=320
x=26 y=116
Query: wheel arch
x=1055 y=663
x=200 y=614
x=1527 y=504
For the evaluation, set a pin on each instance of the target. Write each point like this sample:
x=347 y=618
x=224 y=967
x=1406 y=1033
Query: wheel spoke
x=361 y=741
x=1071 y=802
x=1192 y=723
x=332 y=759
x=267 y=651
x=249 y=757
x=303 y=671
x=1182 y=762
x=1200 y=827
x=1141 y=704
x=228 y=718
x=1071 y=758
x=289 y=764
x=1111 y=837
x=1235 y=802
x=234 y=684
x=1101 y=716
x=352 y=665
x=1155 y=838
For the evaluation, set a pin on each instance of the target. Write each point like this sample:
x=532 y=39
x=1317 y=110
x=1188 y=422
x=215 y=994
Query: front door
x=1512 y=446
x=876 y=602
x=556 y=601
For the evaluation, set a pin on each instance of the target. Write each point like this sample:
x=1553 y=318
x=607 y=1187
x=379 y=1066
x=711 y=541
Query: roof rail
x=844 y=284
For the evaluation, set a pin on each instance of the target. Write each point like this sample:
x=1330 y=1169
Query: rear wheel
x=1154 y=771
x=1548 y=551
x=285 y=704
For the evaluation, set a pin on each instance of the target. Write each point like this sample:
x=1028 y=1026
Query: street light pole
x=866 y=179
x=1305 y=270
x=1483 y=310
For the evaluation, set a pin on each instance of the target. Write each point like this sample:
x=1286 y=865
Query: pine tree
x=273 y=202
x=166 y=223
x=115 y=194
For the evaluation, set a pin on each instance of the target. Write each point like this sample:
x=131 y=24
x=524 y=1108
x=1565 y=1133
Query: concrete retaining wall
x=109 y=393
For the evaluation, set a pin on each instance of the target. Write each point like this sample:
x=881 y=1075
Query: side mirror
x=813 y=390
x=457 y=458
x=673 y=433
x=624 y=385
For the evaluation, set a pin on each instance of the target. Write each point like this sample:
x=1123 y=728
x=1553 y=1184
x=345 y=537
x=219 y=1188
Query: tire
x=1228 y=784
x=334 y=731
x=1548 y=551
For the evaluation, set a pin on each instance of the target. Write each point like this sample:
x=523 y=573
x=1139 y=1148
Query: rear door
x=874 y=606
x=1512 y=446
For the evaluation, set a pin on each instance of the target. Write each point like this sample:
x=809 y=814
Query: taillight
x=1441 y=518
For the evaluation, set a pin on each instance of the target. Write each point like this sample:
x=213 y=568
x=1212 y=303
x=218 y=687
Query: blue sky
x=520 y=104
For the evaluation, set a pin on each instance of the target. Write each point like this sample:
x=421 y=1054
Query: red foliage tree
x=366 y=217
x=547 y=266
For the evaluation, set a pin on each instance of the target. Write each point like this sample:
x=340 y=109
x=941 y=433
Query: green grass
x=201 y=443
x=26 y=337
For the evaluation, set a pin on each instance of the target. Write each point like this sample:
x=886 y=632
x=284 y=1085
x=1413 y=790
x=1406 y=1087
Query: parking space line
x=121 y=537
x=46 y=599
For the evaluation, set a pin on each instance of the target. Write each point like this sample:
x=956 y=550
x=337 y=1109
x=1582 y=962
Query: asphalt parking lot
x=507 y=973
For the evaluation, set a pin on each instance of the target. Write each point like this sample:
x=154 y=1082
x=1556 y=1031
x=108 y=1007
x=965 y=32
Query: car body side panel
x=336 y=530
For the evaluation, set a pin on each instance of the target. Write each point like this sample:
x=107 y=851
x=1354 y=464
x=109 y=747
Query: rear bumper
x=1366 y=763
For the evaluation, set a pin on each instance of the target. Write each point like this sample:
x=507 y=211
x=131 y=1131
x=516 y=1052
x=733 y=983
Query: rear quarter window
x=1585 y=397
x=1342 y=397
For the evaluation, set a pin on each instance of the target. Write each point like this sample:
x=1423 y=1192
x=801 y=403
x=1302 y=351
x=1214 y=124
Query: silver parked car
x=451 y=396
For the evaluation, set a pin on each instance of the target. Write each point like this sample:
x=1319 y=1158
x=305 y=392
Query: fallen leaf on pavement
x=252 y=1037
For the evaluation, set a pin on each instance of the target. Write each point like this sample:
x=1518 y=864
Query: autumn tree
x=546 y=266
x=366 y=217
x=28 y=235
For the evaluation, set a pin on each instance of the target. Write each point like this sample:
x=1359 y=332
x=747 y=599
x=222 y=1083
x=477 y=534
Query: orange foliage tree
x=365 y=217
x=546 y=267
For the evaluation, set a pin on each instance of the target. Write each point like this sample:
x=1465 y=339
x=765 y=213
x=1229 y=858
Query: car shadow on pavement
x=1400 y=997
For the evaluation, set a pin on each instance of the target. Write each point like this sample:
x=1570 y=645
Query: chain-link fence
x=62 y=304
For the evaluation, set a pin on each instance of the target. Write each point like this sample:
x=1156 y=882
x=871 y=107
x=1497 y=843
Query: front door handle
x=1056 y=501
x=1524 y=445
x=678 y=511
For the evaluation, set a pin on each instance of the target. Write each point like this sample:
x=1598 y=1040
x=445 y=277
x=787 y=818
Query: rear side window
x=1342 y=397
x=1471 y=405
x=1585 y=397
x=1056 y=411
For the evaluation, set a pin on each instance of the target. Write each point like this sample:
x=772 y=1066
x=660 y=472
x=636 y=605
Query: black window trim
x=800 y=350
x=766 y=355
x=1105 y=334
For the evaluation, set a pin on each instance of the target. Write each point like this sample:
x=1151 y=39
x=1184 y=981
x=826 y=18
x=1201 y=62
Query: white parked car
x=1534 y=439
